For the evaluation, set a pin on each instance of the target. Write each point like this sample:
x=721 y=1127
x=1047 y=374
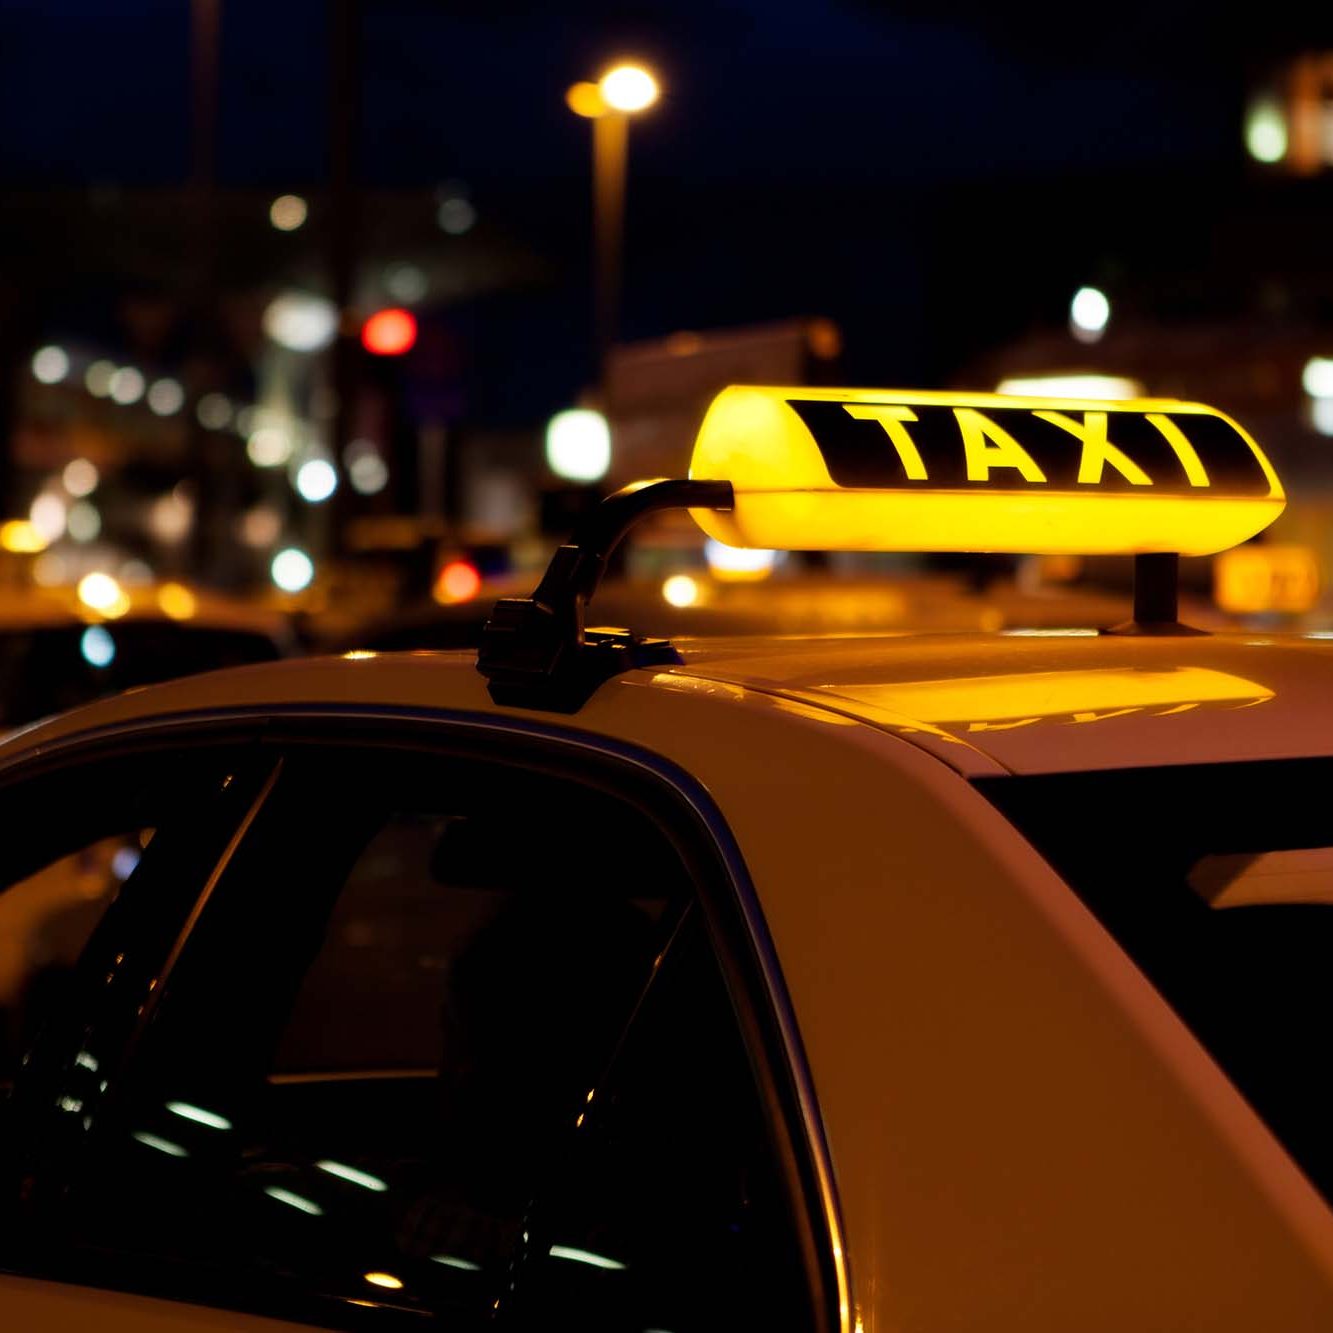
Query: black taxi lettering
x=936 y=446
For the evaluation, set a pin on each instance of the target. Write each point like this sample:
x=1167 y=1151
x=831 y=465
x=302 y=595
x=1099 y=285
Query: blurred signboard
x=1252 y=580
x=656 y=393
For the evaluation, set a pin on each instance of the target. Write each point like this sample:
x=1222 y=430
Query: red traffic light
x=389 y=332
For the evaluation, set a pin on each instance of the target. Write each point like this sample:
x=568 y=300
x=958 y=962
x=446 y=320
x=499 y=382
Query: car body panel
x=58 y=1307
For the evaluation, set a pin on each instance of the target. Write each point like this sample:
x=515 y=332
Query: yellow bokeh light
x=680 y=590
x=177 y=601
x=20 y=535
x=100 y=592
x=386 y=1280
x=586 y=100
x=628 y=88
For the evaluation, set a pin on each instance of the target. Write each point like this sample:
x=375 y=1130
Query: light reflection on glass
x=452 y=1261
x=578 y=1256
x=355 y=1177
x=86 y=1061
x=162 y=1145
x=199 y=1115
x=294 y=1200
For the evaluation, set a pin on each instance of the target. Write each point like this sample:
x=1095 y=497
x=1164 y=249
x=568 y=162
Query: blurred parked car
x=57 y=651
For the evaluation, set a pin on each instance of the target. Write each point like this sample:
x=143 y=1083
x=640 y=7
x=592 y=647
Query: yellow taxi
x=930 y=983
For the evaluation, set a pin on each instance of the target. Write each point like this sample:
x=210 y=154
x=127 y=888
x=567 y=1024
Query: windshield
x=1218 y=881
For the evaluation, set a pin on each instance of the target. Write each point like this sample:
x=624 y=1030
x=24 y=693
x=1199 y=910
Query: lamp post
x=623 y=91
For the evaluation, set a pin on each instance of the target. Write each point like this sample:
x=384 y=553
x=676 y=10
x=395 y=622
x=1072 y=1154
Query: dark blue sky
x=936 y=174
x=92 y=90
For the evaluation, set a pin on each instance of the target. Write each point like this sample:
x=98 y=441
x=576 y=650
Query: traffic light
x=390 y=332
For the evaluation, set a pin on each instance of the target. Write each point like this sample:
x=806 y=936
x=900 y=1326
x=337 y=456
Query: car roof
x=1020 y=703
x=1051 y=701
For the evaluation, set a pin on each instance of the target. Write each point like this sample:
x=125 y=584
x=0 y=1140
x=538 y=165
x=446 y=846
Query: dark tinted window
x=106 y=859
x=669 y=1210
x=1218 y=881
x=392 y=1009
x=44 y=671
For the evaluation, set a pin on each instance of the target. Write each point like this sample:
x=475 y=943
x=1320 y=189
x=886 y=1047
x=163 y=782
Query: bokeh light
x=1089 y=314
x=292 y=569
x=389 y=332
x=301 y=322
x=628 y=88
x=126 y=385
x=166 y=397
x=97 y=647
x=50 y=365
x=316 y=480
x=80 y=477
x=457 y=581
x=578 y=444
x=680 y=590
x=1266 y=130
x=288 y=212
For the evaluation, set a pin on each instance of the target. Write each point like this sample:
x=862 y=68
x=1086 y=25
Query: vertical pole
x=610 y=152
x=1156 y=586
x=208 y=540
x=344 y=223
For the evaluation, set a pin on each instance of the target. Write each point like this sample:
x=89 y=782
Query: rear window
x=1218 y=881
x=48 y=670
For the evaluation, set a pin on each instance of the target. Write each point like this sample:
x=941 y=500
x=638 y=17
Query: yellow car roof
x=1041 y=702
x=1045 y=701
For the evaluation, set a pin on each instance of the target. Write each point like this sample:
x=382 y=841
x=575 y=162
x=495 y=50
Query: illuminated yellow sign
x=1251 y=580
x=1006 y=703
x=874 y=470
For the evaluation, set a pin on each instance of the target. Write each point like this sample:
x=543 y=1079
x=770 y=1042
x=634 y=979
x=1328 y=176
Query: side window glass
x=397 y=998
x=46 y=920
x=114 y=855
x=670 y=1211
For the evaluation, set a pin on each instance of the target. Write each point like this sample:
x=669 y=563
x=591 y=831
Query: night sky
x=936 y=176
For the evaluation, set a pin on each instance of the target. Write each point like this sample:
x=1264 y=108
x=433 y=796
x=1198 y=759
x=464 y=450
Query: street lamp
x=623 y=91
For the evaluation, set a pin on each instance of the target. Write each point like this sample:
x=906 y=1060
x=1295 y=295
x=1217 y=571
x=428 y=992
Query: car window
x=76 y=836
x=359 y=1070
x=104 y=861
x=669 y=1210
x=1218 y=881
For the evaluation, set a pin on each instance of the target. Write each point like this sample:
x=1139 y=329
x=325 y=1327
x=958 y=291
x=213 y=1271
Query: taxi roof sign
x=884 y=470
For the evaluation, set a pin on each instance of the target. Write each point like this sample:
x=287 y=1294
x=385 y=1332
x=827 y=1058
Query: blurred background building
x=317 y=300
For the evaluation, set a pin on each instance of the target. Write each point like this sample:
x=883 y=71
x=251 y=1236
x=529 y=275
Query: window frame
x=675 y=802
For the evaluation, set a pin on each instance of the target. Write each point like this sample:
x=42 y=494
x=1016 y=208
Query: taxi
x=931 y=983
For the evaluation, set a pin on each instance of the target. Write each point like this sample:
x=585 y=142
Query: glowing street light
x=628 y=88
x=623 y=91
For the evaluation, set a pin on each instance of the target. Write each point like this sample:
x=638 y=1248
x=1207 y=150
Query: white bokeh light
x=1089 y=314
x=578 y=445
x=50 y=365
x=316 y=480
x=80 y=477
x=166 y=397
x=301 y=322
x=126 y=386
x=292 y=569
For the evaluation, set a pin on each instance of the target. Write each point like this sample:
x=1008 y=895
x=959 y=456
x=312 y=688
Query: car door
x=363 y=1087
